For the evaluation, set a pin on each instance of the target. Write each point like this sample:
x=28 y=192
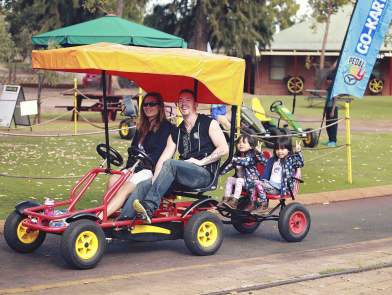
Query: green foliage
x=133 y=10
x=323 y=8
x=232 y=26
x=7 y=48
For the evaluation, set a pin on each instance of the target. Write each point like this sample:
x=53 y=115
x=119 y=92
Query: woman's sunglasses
x=150 y=104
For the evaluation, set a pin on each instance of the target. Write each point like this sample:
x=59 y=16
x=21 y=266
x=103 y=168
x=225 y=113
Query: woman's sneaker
x=262 y=210
x=141 y=210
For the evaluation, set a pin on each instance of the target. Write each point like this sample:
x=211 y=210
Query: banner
x=369 y=24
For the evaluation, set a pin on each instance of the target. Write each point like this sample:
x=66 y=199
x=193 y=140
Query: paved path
x=344 y=236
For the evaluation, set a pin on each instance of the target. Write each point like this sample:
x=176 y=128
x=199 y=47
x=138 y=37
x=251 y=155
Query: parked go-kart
x=293 y=219
x=255 y=121
x=84 y=235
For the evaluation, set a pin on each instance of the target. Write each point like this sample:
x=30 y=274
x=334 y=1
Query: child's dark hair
x=283 y=143
x=250 y=139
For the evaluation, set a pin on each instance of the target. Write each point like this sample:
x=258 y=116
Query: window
x=277 y=68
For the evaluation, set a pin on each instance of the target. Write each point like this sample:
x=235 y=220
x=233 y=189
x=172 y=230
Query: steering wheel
x=114 y=157
x=275 y=104
x=138 y=154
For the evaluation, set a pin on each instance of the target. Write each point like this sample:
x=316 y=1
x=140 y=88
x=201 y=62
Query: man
x=200 y=143
x=331 y=113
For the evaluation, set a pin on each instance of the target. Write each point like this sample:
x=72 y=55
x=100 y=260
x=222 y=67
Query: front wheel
x=311 y=139
x=19 y=237
x=203 y=234
x=83 y=244
x=294 y=222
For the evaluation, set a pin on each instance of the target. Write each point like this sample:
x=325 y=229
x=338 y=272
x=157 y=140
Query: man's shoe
x=141 y=210
x=331 y=144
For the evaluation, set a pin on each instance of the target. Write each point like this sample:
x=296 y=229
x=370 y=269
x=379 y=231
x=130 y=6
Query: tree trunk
x=9 y=72
x=325 y=37
x=200 y=36
x=120 y=8
x=14 y=73
x=39 y=91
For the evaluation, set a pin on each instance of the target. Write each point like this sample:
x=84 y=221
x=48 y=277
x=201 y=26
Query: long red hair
x=144 y=125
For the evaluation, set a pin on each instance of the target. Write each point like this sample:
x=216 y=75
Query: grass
x=325 y=169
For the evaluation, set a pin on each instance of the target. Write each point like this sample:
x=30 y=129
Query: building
x=290 y=64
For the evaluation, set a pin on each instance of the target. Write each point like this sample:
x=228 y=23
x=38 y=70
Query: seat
x=179 y=189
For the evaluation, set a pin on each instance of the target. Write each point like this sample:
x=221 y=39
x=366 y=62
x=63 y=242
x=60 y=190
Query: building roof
x=305 y=38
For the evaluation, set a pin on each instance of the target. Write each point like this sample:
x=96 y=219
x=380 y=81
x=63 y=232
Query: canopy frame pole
x=105 y=115
x=195 y=87
x=234 y=109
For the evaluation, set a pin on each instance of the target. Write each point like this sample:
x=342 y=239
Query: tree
x=322 y=12
x=7 y=49
x=133 y=10
x=229 y=25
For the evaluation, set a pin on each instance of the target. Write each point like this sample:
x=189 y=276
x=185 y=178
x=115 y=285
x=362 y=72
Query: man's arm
x=167 y=153
x=219 y=141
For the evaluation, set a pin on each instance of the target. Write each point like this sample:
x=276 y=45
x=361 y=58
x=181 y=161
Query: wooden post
x=75 y=112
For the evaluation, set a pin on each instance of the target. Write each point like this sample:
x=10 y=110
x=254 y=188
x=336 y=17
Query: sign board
x=28 y=107
x=10 y=101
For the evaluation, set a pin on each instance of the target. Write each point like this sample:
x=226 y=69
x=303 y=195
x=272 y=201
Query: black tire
x=125 y=132
x=311 y=139
x=294 y=222
x=273 y=131
x=245 y=226
x=207 y=243
x=17 y=236
x=81 y=232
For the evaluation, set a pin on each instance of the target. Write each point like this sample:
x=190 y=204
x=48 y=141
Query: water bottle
x=49 y=209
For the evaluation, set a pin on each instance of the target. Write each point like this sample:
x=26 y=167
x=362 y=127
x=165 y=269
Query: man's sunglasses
x=150 y=104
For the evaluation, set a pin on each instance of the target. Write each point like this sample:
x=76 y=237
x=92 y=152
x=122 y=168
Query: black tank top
x=196 y=144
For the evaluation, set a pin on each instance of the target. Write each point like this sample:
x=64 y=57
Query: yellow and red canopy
x=165 y=70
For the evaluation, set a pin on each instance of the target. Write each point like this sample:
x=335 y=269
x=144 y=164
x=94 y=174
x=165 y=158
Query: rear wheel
x=125 y=131
x=294 y=222
x=244 y=226
x=83 y=244
x=311 y=139
x=19 y=237
x=203 y=234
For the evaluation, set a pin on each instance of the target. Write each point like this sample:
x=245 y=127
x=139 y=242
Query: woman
x=153 y=129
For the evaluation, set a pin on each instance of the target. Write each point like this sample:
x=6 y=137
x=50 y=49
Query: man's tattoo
x=213 y=157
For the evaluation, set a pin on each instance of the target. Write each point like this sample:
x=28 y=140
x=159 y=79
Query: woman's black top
x=154 y=144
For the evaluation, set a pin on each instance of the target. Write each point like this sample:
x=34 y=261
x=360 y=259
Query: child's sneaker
x=232 y=203
x=262 y=210
x=141 y=210
x=224 y=200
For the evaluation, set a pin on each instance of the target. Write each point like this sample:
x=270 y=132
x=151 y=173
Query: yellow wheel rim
x=308 y=138
x=207 y=234
x=376 y=85
x=86 y=245
x=295 y=85
x=124 y=129
x=26 y=235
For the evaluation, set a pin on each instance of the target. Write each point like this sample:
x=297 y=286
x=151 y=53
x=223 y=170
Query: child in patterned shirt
x=244 y=163
x=278 y=178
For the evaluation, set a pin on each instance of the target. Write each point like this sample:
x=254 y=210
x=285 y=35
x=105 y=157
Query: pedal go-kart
x=83 y=235
x=255 y=121
x=293 y=218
